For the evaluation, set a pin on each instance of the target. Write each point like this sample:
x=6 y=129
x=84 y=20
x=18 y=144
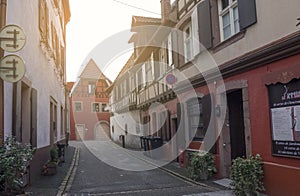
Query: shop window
x=284 y=100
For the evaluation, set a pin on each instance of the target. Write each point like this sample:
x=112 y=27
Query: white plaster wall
x=132 y=120
x=39 y=70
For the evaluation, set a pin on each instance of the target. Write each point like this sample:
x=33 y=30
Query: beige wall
x=275 y=19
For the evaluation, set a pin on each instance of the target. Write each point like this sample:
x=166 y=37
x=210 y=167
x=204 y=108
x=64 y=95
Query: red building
x=240 y=94
x=88 y=104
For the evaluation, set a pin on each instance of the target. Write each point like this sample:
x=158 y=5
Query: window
x=43 y=18
x=77 y=106
x=229 y=18
x=95 y=107
x=91 y=88
x=195 y=116
x=104 y=105
x=141 y=78
x=187 y=38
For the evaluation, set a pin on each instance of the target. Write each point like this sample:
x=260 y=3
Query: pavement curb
x=67 y=182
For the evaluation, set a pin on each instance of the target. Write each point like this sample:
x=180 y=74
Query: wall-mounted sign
x=12 y=38
x=170 y=79
x=12 y=68
x=285 y=118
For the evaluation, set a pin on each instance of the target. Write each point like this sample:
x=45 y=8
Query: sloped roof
x=141 y=21
x=91 y=71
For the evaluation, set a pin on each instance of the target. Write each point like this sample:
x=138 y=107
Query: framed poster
x=285 y=118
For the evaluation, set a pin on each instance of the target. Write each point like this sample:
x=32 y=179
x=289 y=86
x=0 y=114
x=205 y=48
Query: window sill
x=229 y=41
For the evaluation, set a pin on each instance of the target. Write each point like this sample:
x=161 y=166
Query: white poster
x=282 y=124
x=297 y=118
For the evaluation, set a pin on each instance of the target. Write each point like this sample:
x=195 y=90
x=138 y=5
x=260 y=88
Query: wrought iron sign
x=12 y=67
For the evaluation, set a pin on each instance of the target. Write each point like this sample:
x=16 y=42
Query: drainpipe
x=2 y=24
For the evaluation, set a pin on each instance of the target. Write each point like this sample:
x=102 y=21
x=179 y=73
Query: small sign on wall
x=285 y=118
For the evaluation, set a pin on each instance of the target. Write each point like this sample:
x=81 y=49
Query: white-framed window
x=188 y=42
x=91 y=88
x=104 y=105
x=96 y=107
x=170 y=50
x=229 y=18
x=140 y=77
x=77 y=106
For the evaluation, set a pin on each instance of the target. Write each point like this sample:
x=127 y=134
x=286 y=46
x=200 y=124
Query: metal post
x=2 y=24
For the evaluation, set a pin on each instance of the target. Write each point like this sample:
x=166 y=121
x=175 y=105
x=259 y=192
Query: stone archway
x=224 y=139
x=101 y=131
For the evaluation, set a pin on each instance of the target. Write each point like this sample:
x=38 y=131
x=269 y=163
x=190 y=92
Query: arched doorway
x=101 y=131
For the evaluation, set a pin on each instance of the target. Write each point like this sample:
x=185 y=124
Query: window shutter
x=195 y=33
x=210 y=136
x=204 y=23
x=170 y=50
x=247 y=13
x=33 y=133
x=175 y=48
x=180 y=135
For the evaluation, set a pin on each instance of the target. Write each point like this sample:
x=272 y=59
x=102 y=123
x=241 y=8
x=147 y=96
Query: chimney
x=165 y=10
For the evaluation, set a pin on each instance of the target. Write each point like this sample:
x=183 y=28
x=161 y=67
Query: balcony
x=126 y=103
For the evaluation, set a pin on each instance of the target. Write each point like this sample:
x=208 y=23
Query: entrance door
x=236 y=124
x=101 y=132
x=233 y=136
x=79 y=132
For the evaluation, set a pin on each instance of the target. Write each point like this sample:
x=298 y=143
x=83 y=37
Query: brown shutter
x=204 y=21
x=180 y=136
x=247 y=13
x=33 y=133
x=208 y=121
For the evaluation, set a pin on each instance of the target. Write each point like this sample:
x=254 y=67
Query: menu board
x=285 y=118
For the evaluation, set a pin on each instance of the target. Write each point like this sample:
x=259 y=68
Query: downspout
x=2 y=24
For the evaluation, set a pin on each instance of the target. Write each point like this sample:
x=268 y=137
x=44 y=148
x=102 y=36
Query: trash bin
x=61 y=152
x=155 y=142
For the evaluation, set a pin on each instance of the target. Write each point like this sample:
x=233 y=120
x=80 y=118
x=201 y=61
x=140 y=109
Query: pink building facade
x=89 y=116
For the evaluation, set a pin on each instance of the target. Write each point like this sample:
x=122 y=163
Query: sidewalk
x=49 y=185
x=217 y=190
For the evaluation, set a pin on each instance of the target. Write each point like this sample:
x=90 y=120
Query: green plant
x=53 y=154
x=247 y=175
x=14 y=159
x=201 y=165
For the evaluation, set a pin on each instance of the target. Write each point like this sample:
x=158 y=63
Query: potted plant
x=201 y=165
x=247 y=175
x=50 y=167
x=15 y=159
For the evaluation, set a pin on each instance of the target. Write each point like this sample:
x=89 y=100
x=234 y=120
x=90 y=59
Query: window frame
x=194 y=135
x=232 y=4
x=188 y=39
x=99 y=107
x=74 y=106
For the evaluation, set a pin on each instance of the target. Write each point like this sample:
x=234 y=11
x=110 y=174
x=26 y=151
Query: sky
x=100 y=29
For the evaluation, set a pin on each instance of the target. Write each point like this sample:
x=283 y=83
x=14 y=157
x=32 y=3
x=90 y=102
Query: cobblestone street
x=95 y=177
